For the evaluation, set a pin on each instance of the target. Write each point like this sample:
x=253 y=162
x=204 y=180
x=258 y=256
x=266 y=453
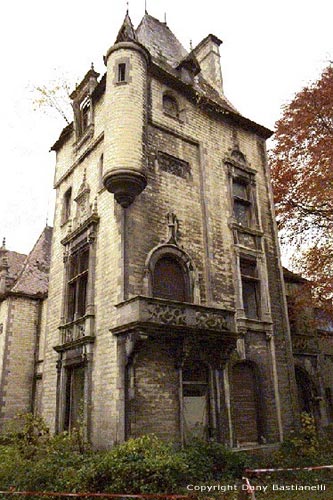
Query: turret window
x=121 y=72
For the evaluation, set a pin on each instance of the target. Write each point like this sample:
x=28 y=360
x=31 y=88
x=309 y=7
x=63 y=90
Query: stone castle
x=160 y=305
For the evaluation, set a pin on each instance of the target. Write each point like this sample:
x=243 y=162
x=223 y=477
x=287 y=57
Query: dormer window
x=83 y=107
x=85 y=115
x=170 y=106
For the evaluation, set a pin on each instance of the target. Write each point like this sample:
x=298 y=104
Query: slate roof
x=15 y=263
x=160 y=41
x=33 y=278
x=167 y=50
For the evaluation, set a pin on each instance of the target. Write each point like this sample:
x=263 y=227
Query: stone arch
x=246 y=404
x=175 y=257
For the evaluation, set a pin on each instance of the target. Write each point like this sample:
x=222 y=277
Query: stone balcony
x=76 y=333
x=165 y=318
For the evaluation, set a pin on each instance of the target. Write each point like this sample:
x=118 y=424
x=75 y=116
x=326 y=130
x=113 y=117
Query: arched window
x=169 y=280
x=195 y=400
x=244 y=403
x=170 y=105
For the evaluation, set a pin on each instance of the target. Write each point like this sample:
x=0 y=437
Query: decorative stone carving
x=173 y=225
x=173 y=165
x=211 y=321
x=166 y=314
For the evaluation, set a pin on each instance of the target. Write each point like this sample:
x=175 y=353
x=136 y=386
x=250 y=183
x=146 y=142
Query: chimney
x=208 y=55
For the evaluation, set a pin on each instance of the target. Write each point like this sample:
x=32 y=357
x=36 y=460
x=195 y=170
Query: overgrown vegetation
x=32 y=459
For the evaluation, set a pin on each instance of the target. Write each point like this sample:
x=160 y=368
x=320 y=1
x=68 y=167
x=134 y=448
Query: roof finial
x=191 y=45
x=127 y=6
x=165 y=20
x=4 y=243
x=146 y=11
x=92 y=66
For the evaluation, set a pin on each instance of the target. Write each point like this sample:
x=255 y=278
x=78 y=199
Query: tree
x=54 y=96
x=301 y=163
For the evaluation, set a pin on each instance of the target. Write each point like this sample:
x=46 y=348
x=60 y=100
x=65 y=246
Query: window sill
x=246 y=229
x=176 y=118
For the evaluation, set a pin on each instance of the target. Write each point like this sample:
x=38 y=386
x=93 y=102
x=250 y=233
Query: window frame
x=253 y=280
x=66 y=205
x=200 y=384
x=76 y=283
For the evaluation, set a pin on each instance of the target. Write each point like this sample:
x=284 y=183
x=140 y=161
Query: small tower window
x=170 y=106
x=122 y=72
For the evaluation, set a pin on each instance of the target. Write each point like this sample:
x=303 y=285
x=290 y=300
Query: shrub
x=145 y=464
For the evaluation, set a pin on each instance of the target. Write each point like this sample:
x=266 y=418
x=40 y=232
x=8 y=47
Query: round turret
x=125 y=120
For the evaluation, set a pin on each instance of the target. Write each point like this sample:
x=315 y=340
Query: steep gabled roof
x=15 y=262
x=160 y=41
x=34 y=276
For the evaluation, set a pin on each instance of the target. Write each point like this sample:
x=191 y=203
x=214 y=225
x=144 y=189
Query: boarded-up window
x=244 y=404
x=195 y=400
x=74 y=397
x=170 y=106
x=169 y=280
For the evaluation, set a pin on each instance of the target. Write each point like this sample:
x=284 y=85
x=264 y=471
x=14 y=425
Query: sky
x=270 y=51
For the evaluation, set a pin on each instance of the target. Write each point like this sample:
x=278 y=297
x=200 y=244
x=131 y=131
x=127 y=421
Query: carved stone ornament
x=125 y=184
x=83 y=209
x=173 y=226
x=173 y=165
x=167 y=314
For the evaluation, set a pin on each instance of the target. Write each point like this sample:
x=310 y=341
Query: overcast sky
x=270 y=51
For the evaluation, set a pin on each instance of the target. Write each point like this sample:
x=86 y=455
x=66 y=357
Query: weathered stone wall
x=202 y=203
x=18 y=367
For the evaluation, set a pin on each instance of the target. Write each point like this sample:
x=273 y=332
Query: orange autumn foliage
x=301 y=162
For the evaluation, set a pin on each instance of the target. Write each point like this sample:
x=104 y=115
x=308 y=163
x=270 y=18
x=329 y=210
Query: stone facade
x=166 y=308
